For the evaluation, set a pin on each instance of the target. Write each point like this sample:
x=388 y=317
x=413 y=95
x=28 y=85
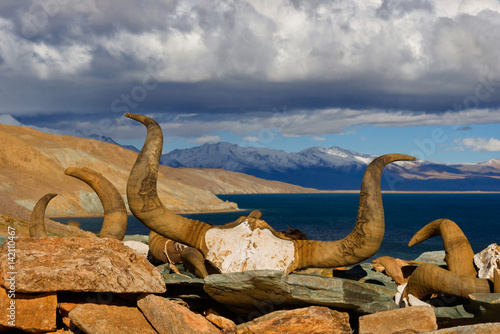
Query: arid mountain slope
x=32 y=164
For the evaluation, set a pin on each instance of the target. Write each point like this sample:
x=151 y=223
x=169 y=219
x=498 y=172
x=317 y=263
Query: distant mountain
x=9 y=120
x=336 y=169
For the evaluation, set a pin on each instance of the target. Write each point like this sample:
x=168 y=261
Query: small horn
x=428 y=279
x=143 y=197
x=364 y=241
x=115 y=213
x=37 y=220
x=392 y=268
x=459 y=255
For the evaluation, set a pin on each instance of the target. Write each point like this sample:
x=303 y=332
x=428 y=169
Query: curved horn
x=115 y=213
x=143 y=197
x=428 y=279
x=392 y=268
x=459 y=255
x=366 y=237
x=162 y=249
x=37 y=220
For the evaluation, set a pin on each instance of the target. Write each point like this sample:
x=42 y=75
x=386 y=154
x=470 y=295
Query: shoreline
x=318 y=192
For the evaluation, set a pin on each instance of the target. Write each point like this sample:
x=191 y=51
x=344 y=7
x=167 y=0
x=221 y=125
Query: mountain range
x=321 y=168
x=335 y=168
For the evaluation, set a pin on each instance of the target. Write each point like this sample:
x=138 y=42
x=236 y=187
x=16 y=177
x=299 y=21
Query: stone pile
x=76 y=285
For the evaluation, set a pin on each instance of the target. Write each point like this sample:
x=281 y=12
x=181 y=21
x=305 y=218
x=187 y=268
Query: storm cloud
x=237 y=64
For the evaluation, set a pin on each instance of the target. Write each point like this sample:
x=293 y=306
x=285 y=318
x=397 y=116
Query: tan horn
x=392 y=268
x=143 y=198
x=366 y=237
x=428 y=279
x=115 y=213
x=459 y=255
x=37 y=220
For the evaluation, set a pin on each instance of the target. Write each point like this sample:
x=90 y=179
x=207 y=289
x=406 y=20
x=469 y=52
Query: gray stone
x=137 y=237
x=265 y=291
x=436 y=257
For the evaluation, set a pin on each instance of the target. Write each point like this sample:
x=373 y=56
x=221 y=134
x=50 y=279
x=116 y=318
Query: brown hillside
x=32 y=164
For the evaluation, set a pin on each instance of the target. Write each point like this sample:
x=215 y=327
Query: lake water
x=332 y=217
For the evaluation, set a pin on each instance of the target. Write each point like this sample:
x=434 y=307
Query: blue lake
x=332 y=217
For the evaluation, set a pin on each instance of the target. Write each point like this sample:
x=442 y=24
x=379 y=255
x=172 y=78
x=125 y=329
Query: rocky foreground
x=91 y=285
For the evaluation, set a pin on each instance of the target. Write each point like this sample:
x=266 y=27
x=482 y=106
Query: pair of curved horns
x=363 y=242
x=115 y=213
x=460 y=279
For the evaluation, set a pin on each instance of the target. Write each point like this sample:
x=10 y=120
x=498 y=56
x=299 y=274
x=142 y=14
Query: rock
x=30 y=313
x=314 y=319
x=254 y=293
x=487 y=261
x=489 y=328
x=415 y=319
x=110 y=319
x=81 y=265
x=138 y=246
x=436 y=257
x=220 y=321
x=137 y=237
x=167 y=316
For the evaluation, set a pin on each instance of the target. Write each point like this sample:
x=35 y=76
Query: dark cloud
x=63 y=59
x=464 y=128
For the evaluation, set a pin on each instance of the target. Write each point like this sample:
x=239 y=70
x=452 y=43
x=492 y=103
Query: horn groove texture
x=428 y=279
x=459 y=255
x=366 y=237
x=143 y=197
x=115 y=214
x=37 y=220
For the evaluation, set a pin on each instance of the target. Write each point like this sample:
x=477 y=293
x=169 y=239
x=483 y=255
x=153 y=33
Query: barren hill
x=32 y=164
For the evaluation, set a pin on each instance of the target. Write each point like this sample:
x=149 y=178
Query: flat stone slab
x=167 y=316
x=415 y=319
x=110 y=319
x=489 y=328
x=31 y=313
x=79 y=265
x=269 y=290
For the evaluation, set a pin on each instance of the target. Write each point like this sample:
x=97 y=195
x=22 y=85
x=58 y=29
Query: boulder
x=254 y=293
x=415 y=319
x=30 y=313
x=168 y=316
x=219 y=321
x=80 y=265
x=110 y=319
x=489 y=328
x=487 y=261
x=314 y=319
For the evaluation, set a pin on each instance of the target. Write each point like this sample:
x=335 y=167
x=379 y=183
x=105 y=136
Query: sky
x=419 y=77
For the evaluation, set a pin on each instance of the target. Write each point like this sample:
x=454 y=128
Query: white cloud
x=206 y=139
x=482 y=144
x=251 y=138
x=316 y=138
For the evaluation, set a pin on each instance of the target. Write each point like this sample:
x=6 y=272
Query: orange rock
x=30 y=313
x=489 y=328
x=413 y=319
x=110 y=319
x=167 y=316
x=81 y=265
x=219 y=320
x=314 y=319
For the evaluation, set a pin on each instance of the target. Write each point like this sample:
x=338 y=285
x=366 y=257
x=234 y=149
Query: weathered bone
x=250 y=243
x=115 y=213
x=428 y=279
x=459 y=255
x=37 y=220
